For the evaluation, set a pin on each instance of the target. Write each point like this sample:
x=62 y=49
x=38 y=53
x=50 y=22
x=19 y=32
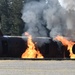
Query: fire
x=39 y=55
x=31 y=51
x=67 y=43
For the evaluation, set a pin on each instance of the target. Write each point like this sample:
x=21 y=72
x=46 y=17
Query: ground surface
x=37 y=67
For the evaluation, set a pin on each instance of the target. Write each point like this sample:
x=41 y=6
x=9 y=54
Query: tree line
x=10 y=17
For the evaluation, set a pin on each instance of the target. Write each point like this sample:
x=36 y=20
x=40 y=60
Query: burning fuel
x=48 y=18
x=67 y=43
x=31 y=51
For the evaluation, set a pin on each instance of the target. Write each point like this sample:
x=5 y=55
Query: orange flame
x=31 y=52
x=67 y=43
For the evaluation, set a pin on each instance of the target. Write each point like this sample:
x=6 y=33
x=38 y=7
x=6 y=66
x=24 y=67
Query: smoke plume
x=48 y=18
x=67 y=4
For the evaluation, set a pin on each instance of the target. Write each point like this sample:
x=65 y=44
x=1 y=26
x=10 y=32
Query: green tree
x=10 y=17
x=17 y=26
x=4 y=16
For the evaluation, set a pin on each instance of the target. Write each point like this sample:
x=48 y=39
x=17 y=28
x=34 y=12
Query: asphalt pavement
x=37 y=67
